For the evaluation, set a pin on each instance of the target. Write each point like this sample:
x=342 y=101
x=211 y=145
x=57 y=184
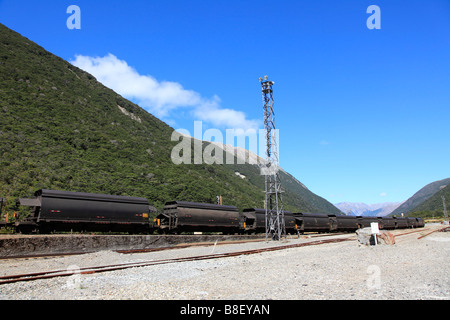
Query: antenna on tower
x=275 y=225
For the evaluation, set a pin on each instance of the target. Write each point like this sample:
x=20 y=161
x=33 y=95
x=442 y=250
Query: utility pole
x=445 y=210
x=2 y=201
x=275 y=225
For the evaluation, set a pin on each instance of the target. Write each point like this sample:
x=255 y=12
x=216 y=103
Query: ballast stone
x=366 y=237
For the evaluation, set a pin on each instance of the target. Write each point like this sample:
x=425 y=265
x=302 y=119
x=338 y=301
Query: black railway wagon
x=387 y=223
x=420 y=223
x=333 y=222
x=401 y=223
x=315 y=222
x=54 y=210
x=254 y=220
x=347 y=223
x=365 y=221
x=186 y=216
x=414 y=222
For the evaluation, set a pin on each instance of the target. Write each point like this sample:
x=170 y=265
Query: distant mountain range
x=364 y=209
x=427 y=202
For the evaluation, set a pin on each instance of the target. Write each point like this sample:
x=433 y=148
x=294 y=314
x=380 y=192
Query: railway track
x=175 y=246
x=439 y=230
x=106 y=268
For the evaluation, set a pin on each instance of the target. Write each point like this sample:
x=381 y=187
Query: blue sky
x=363 y=114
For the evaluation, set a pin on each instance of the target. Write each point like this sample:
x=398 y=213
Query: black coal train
x=53 y=210
x=254 y=221
x=77 y=211
x=182 y=216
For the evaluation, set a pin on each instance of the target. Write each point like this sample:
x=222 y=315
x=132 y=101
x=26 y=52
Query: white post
x=375 y=230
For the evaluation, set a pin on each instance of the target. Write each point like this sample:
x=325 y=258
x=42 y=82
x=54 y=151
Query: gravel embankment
x=410 y=269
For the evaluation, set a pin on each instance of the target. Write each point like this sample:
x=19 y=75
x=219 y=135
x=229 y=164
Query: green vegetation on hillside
x=420 y=197
x=62 y=129
x=433 y=207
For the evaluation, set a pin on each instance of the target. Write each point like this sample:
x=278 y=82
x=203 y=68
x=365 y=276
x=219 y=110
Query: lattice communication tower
x=275 y=226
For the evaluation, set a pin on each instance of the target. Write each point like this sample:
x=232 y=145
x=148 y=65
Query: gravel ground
x=410 y=269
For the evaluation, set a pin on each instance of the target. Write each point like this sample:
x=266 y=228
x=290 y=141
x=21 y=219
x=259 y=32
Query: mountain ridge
x=62 y=129
x=364 y=209
x=433 y=207
x=421 y=196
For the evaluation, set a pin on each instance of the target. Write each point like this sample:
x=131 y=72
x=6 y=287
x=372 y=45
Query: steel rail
x=437 y=230
x=99 y=269
x=131 y=251
x=45 y=255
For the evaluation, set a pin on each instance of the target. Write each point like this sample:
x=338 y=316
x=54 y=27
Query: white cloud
x=383 y=194
x=210 y=111
x=157 y=97
x=161 y=98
